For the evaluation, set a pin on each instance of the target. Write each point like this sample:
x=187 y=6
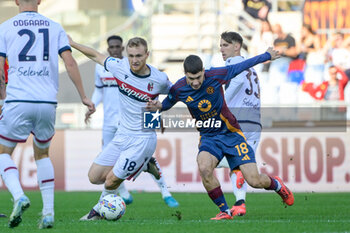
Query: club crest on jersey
x=150 y=86
x=204 y=105
x=210 y=90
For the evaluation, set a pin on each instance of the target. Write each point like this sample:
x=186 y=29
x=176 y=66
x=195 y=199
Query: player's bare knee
x=205 y=172
x=41 y=150
x=111 y=183
x=93 y=179
x=254 y=182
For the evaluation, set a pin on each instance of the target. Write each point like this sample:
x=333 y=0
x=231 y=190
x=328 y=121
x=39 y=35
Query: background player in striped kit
x=242 y=95
x=106 y=91
x=31 y=42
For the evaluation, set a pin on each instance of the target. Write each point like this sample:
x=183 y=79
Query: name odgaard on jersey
x=31 y=22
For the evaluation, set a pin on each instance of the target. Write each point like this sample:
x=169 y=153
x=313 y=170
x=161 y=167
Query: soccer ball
x=112 y=207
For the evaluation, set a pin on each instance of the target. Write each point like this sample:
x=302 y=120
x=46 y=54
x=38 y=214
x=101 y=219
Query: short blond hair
x=136 y=42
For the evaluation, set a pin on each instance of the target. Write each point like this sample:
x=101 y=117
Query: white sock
x=239 y=193
x=162 y=185
x=10 y=176
x=104 y=193
x=46 y=178
x=123 y=192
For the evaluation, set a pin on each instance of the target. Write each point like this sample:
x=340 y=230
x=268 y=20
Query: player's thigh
x=44 y=124
x=110 y=154
x=134 y=156
x=206 y=162
x=16 y=122
x=250 y=172
x=98 y=173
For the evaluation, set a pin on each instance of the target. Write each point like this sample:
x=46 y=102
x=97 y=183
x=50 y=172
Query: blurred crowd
x=307 y=71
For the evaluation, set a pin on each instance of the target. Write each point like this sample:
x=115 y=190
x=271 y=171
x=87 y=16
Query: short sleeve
x=112 y=64
x=63 y=42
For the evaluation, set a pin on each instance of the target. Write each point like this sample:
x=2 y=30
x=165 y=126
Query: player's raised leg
x=10 y=176
x=257 y=180
x=206 y=165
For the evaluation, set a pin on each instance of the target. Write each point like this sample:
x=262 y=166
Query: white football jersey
x=32 y=43
x=107 y=85
x=135 y=92
x=242 y=94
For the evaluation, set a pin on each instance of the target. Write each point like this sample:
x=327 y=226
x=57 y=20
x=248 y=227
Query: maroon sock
x=273 y=184
x=218 y=198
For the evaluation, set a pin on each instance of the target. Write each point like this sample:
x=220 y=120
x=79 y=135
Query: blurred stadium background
x=306 y=148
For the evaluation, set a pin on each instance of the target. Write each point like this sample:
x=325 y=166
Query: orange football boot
x=238 y=210
x=285 y=193
x=222 y=216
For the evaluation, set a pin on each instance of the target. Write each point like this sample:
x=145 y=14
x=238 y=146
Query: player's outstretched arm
x=235 y=69
x=74 y=75
x=273 y=53
x=89 y=52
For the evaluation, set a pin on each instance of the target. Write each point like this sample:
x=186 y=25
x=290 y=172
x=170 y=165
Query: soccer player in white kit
x=32 y=43
x=132 y=147
x=106 y=91
x=242 y=96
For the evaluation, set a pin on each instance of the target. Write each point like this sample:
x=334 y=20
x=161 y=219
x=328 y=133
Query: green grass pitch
x=311 y=212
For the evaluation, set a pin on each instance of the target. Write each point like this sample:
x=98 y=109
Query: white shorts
x=128 y=155
x=19 y=119
x=253 y=139
x=108 y=133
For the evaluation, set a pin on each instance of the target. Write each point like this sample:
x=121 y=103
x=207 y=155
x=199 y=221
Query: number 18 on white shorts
x=128 y=155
